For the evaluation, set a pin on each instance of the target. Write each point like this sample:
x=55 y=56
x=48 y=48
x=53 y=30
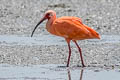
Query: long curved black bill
x=37 y=26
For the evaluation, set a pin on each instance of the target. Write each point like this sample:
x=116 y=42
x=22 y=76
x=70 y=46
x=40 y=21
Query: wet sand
x=19 y=51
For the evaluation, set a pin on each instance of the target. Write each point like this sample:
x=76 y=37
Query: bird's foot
x=81 y=66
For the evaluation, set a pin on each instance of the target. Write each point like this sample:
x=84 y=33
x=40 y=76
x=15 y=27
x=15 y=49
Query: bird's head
x=48 y=15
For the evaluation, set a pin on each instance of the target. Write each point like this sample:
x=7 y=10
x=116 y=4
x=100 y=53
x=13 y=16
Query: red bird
x=70 y=28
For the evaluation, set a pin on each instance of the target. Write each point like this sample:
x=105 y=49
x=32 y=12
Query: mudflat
x=19 y=17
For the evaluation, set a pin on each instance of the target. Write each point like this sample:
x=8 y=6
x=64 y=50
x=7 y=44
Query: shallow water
x=51 y=40
x=53 y=72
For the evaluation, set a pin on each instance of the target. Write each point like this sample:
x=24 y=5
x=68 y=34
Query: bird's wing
x=70 y=27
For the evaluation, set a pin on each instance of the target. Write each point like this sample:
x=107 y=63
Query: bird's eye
x=48 y=14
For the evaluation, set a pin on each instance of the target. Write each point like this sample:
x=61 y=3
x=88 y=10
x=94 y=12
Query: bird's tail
x=94 y=34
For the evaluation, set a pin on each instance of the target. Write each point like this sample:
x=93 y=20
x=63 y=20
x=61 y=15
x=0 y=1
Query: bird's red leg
x=80 y=53
x=68 y=41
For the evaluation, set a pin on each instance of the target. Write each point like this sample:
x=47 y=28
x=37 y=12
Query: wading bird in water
x=70 y=28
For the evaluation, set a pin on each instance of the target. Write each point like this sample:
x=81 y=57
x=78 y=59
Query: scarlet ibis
x=68 y=27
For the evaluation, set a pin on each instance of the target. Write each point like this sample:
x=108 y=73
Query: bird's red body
x=71 y=28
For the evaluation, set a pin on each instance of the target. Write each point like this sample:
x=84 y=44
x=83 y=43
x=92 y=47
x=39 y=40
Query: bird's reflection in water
x=81 y=74
x=69 y=75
